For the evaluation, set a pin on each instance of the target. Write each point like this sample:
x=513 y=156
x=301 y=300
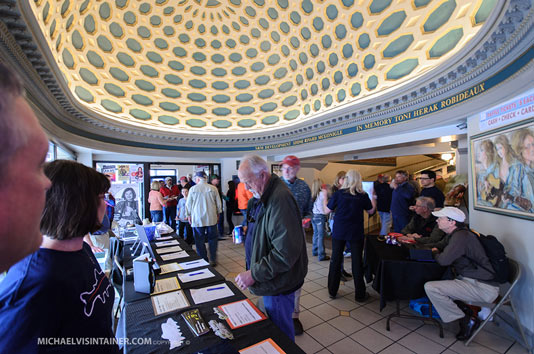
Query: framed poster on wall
x=502 y=163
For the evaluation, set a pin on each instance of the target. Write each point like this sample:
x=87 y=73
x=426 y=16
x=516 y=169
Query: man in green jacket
x=278 y=262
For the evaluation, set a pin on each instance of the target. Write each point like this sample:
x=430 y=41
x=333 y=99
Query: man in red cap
x=290 y=166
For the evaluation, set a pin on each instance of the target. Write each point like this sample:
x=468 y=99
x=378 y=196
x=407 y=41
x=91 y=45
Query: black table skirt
x=138 y=320
x=394 y=276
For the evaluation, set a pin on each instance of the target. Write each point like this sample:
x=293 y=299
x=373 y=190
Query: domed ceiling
x=234 y=66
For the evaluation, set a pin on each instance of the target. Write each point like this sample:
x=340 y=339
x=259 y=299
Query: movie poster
x=110 y=172
x=124 y=173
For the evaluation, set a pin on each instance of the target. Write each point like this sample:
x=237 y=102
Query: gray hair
x=427 y=202
x=12 y=134
x=255 y=163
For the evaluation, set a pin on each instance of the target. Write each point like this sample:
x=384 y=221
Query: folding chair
x=120 y=269
x=504 y=299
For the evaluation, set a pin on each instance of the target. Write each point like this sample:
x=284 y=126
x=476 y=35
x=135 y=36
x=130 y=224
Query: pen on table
x=197 y=273
x=217 y=288
x=192 y=262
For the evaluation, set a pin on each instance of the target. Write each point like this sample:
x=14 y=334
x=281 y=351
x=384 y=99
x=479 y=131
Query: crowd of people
x=55 y=288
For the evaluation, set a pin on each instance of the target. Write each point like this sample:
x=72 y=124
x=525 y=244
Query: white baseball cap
x=451 y=213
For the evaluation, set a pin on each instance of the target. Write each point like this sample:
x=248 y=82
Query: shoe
x=298 y=327
x=364 y=298
x=221 y=238
x=331 y=296
x=314 y=254
x=325 y=258
x=346 y=274
x=470 y=325
x=347 y=254
x=343 y=278
x=213 y=264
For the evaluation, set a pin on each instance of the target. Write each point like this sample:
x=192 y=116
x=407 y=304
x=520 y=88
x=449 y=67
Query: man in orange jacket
x=242 y=195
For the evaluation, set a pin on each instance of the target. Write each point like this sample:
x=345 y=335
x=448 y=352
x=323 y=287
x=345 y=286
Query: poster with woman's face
x=127 y=203
x=503 y=171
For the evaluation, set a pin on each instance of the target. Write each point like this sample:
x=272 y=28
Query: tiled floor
x=344 y=326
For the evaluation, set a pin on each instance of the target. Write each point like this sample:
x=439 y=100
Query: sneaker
x=325 y=258
x=213 y=264
x=343 y=278
x=346 y=274
x=347 y=254
x=298 y=327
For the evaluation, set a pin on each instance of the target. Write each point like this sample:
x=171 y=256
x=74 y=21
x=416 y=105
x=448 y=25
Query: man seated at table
x=472 y=281
x=423 y=228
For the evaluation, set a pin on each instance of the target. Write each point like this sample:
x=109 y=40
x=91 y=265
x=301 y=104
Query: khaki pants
x=442 y=293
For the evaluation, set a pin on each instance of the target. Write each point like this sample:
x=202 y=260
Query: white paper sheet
x=164 y=238
x=166 y=285
x=195 y=275
x=169 y=302
x=167 y=243
x=177 y=255
x=169 y=249
x=169 y=268
x=267 y=346
x=211 y=293
x=193 y=264
x=241 y=313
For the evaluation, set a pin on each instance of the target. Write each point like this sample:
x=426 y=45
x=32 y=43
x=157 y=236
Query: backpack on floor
x=497 y=257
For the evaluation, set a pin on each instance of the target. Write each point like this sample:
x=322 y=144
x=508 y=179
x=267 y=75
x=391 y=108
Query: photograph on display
x=109 y=171
x=503 y=170
x=137 y=173
x=127 y=203
x=124 y=173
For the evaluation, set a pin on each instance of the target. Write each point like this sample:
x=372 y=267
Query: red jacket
x=242 y=195
x=173 y=192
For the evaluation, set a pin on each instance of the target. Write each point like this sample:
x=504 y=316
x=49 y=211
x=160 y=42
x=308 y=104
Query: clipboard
x=254 y=315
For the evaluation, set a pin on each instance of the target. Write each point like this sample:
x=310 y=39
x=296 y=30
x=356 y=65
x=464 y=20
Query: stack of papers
x=170 y=256
x=169 y=249
x=267 y=346
x=193 y=264
x=169 y=268
x=166 y=285
x=167 y=243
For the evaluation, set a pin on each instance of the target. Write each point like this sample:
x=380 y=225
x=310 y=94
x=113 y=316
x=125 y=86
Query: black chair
x=505 y=299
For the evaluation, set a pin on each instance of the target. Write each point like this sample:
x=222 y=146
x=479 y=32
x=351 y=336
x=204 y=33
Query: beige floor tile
x=347 y=325
x=348 y=346
x=375 y=306
x=396 y=349
x=408 y=322
x=311 y=286
x=421 y=344
x=371 y=339
x=431 y=332
x=325 y=334
x=325 y=311
x=322 y=294
x=313 y=267
x=343 y=304
x=322 y=271
x=314 y=276
x=324 y=351
x=498 y=343
x=365 y=316
x=473 y=348
x=309 y=301
x=517 y=349
x=307 y=343
x=322 y=281
x=309 y=320
x=396 y=331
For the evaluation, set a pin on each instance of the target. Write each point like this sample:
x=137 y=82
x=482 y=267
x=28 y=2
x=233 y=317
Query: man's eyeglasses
x=423 y=178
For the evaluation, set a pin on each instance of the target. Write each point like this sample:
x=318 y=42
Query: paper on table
x=169 y=302
x=169 y=249
x=171 y=331
x=167 y=243
x=195 y=275
x=241 y=313
x=210 y=293
x=166 y=285
x=168 y=257
x=267 y=346
x=169 y=268
x=163 y=238
x=193 y=264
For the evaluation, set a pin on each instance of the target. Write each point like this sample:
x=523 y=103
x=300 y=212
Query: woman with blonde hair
x=156 y=201
x=320 y=198
x=349 y=203
x=338 y=182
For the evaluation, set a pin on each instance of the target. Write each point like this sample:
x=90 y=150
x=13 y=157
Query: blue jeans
x=200 y=234
x=220 y=224
x=280 y=308
x=169 y=216
x=244 y=212
x=318 y=224
x=385 y=222
x=156 y=215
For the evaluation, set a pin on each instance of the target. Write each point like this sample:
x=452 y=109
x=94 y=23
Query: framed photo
x=502 y=163
x=275 y=169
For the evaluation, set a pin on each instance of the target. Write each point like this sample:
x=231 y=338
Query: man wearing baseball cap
x=472 y=271
x=170 y=193
x=290 y=166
